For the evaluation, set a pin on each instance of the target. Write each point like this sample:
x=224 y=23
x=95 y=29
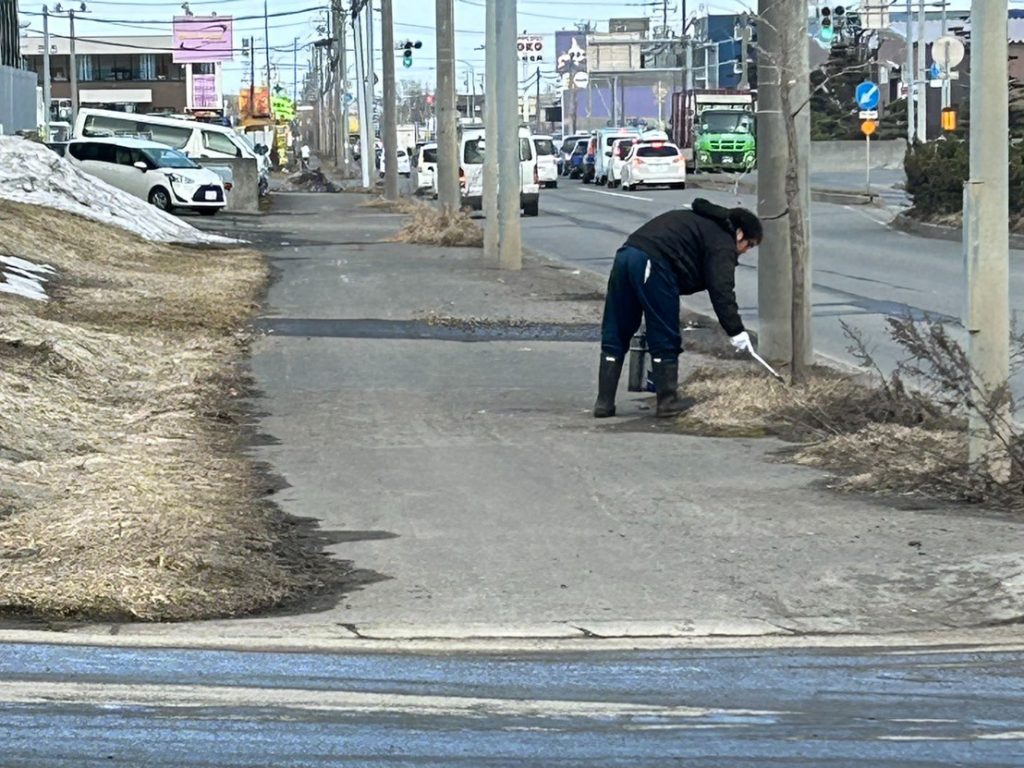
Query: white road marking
x=162 y=695
x=618 y=194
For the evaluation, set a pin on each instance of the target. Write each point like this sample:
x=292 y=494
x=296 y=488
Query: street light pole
x=390 y=102
x=47 y=99
x=510 y=251
x=447 y=115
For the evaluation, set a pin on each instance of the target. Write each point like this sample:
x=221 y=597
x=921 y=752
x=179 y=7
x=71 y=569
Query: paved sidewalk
x=475 y=495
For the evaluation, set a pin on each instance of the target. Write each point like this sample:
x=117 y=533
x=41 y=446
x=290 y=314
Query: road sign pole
x=867 y=164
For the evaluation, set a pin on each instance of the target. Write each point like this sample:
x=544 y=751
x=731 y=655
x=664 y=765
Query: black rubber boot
x=607 y=385
x=666 y=383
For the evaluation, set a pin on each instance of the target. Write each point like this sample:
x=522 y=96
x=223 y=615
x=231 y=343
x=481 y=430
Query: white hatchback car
x=404 y=164
x=620 y=150
x=155 y=172
x=652 y=163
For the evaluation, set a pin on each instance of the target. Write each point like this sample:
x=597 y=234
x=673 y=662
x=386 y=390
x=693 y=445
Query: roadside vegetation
x=125 y=490
x=429 y=225
x=905 y=434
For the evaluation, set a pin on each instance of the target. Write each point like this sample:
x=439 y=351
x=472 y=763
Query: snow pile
x=24 y=278
x=31 y=173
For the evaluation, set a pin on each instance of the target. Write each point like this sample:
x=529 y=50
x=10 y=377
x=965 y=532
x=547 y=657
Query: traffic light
x=407 y=49
x=826 y=32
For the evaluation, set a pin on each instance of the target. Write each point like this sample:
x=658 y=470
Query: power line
x=311 y=9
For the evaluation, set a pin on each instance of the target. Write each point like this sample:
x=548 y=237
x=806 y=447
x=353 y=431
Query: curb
x=903 y=223
x=571 y=637
x=818 y=195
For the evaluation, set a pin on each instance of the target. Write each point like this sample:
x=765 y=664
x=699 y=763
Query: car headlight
x=177 y=178
x=704 y=157
x=748 y=158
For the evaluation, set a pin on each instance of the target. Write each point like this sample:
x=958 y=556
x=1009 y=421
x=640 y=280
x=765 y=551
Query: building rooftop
x=93 y=44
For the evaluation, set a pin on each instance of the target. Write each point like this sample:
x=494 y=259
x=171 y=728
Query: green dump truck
x=715 y=129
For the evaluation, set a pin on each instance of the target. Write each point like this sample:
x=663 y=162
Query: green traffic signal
x=407 y=62
x=826 y=32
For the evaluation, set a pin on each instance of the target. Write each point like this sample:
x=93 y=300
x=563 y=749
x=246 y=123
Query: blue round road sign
x=867 y=95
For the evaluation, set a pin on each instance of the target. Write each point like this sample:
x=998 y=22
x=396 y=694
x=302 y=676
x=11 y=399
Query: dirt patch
x=124 y=489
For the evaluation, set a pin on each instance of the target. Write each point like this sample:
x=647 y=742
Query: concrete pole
x=366 y=146
x=295 y=71
x=744 y=83
x=73 y=64
x=47 y=83
x=371 y=88
x=774 y=273
x=491 y=127
x=387 y=42
x=510 y=254
x=946 y=93
x=909 y=75
x=448 y=160
x=986 y=233
x=338 y=107
x=922 y=72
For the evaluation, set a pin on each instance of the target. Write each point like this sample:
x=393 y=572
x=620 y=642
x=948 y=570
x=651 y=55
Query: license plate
x=211 y=195
x=726 y=159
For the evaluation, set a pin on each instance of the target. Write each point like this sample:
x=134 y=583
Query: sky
x=414 y=20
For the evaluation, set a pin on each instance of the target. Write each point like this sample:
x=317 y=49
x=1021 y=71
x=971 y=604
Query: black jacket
x=700 y=246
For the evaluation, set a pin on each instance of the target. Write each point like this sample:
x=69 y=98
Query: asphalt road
x=87 y=706
x=863 y=272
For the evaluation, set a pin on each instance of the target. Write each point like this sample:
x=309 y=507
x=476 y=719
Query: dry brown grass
x=428 y=225
x=401 y=205
x=124 y=492
x=871 y=439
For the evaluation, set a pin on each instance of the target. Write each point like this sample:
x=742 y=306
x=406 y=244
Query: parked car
x=654 y=162
x=404 y=164
x=606 y=137
x=620 y=149
x=547 y=164
x=568 y=146
x=155 y=172
x=425 y=166
x=574 y=166
x=589 y=170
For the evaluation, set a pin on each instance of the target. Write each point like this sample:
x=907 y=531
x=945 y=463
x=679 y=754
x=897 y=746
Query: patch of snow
x=24 y=278
x=31 y=173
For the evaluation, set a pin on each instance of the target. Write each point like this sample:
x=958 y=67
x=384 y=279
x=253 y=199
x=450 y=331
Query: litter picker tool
x=767 y=367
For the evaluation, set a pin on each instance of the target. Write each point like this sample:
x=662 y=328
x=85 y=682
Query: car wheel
x=208 y=211
x=532 y=209
x=552 y=185
x=680 y=185
x=161 y=198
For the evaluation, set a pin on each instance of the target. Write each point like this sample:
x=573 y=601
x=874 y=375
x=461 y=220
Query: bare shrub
x=433 y=226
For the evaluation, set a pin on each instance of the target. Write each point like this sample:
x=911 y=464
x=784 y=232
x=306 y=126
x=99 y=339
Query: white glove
x=741 y=342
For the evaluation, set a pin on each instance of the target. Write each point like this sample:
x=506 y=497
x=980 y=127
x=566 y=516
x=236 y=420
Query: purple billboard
x=570 y=52
x=202 y=39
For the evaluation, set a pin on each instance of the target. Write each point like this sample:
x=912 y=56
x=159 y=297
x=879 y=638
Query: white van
x=472 y=143
x=151 y=171
x=606 y=138
x=197 y=140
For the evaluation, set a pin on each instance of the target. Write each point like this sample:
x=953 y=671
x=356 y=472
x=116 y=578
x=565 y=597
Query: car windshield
x=657 y=150
x=545 y=147
x=569 y=145
x=581 y=147
x=474 y=151
x=429 y=156
x=624 y=147
x=168 y=158
x=726 y=122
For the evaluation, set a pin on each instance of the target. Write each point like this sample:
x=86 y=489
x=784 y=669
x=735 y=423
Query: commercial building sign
x=570 y=52
x=202 y=39
x=530 y=47
x=204 y=92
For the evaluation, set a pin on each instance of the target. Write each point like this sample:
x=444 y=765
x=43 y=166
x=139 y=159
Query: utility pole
x=922 y=88
x=909 y=77
x=252 y=76
x=387 y=42
x=366 y=151
x=491 y=129
x=447 y=114
x=986 y=236
x=339 y=107
x=537 y=103
x=266 y=51
x=744 y=84
x=510 y=253
x=295 y=71
x=783 y=312
x=47 y=99
x=74 y=68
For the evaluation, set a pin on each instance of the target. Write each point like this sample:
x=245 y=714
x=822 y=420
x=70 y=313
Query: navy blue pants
x=641 y=287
